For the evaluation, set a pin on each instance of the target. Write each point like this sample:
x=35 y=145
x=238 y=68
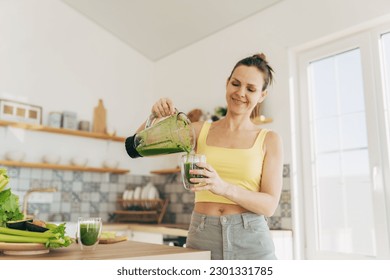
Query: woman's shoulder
x=272 y=140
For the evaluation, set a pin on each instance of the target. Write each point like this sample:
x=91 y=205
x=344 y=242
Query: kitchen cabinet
x=283 y=244
x=148 y=233
x=70 y=132
x=147 y=237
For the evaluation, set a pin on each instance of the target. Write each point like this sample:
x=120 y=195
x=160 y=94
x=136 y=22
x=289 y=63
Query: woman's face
x=244 y=89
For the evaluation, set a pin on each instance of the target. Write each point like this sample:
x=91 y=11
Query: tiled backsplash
x=96 y=194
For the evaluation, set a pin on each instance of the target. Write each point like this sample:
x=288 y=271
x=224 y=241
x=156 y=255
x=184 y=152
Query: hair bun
x=261 y=56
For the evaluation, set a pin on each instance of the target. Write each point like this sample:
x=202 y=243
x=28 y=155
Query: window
x=342 y=177
x=342 y=156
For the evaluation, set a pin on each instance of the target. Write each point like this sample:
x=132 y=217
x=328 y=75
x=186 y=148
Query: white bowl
x=51 y=159
x=79 y=161
x=110 y=163
x=15 y=155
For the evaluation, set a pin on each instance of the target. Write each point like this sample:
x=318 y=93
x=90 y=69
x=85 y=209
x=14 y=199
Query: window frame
x=368 y=41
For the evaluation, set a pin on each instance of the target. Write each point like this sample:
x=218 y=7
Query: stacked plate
x=150 y=192
x=137 y=199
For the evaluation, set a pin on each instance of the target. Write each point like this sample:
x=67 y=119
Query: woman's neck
x=236 y=122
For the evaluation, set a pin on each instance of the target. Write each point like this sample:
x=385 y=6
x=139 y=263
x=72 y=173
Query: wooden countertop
x=127 y=250
x=166 y=229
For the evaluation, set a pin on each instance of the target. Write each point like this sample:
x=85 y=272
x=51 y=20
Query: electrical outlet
x=41 y=197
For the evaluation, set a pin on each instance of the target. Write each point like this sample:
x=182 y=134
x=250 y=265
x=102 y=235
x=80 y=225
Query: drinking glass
x=187 y=163
x=88 y=232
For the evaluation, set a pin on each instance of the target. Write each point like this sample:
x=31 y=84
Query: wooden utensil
x=99 y=119
x=112 y=240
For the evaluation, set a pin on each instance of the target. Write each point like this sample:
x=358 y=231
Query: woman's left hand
x=210 y=181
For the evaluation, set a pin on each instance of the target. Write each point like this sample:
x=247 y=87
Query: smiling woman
x=241 y=182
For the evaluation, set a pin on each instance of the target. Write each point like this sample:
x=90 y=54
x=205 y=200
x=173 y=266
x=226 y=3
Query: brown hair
x=260 y=62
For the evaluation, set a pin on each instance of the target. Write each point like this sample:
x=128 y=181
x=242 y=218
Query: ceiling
x=157 y=28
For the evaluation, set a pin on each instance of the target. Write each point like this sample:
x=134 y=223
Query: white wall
x=195 y=76
x=54 y=57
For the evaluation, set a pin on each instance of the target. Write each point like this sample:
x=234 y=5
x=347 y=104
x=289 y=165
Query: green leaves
x=9 y=207
x=9 y=203
x=9 y=211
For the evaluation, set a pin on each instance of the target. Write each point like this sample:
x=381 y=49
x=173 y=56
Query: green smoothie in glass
x=89 y=230
x=190 y=162
x=89 y=234
x=190 y=166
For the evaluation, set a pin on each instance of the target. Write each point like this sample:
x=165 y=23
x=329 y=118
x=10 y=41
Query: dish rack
x=141 y=210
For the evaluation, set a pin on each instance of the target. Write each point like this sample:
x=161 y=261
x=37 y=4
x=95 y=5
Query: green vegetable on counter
x=9 y=207
x=53 y=238
x=9 y=203
x=9 y=211
x=4 y=180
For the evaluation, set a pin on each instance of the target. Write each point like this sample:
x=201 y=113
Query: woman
x=243 y=174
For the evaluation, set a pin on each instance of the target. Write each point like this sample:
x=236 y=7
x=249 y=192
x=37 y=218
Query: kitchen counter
x=166 y=229
x=127 y=250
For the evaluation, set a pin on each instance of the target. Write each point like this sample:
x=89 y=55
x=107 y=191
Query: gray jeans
x=243 y=236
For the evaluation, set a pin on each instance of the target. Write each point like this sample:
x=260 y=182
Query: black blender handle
x=130 y=149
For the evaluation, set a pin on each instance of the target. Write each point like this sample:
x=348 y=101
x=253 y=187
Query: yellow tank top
x=241 y=167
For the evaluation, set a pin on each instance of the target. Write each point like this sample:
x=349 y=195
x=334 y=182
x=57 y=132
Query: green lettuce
x=9 y=203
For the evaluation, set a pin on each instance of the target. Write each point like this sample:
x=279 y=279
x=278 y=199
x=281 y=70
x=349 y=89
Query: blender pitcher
x=173 y=134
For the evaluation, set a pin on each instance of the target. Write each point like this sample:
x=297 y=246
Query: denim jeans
x=243 y=236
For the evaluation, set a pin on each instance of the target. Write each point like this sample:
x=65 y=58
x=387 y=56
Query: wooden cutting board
x=112 y=240
x=99 y=119
x=23 y=248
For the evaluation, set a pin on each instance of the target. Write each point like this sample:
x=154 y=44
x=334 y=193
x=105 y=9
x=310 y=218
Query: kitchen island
x=126 y=250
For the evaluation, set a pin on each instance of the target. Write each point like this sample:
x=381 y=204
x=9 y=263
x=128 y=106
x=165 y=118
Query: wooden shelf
x=135 y=212
x=62 y=167
x=259 y=120
x=148 y=210
x=80 y=133
x=166 y=171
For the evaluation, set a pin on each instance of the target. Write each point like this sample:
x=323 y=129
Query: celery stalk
x=26 y=233
x=49 y=242
x=21 y=239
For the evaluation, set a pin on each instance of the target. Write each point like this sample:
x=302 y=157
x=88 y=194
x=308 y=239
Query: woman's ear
x=264 y=94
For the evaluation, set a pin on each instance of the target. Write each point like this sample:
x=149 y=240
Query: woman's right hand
x=163 y=108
